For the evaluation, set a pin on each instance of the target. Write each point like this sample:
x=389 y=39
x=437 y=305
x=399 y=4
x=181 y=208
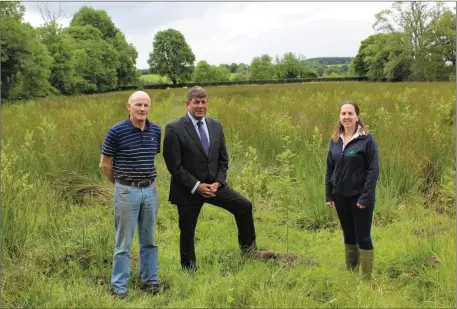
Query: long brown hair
x=339 y=127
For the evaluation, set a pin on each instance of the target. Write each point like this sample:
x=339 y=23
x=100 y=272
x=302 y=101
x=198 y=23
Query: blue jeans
x=134 y=206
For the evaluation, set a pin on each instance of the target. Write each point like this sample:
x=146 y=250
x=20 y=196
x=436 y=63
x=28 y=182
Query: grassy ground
x=155 y=79
x=57 y=218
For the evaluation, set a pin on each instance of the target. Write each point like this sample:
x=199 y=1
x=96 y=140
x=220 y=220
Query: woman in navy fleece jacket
x=350 y=185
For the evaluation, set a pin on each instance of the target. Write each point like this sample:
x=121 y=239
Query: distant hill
x=331 y=60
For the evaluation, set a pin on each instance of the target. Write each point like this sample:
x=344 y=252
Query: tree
x=399 y=60
x=97 y=61
x=262 y=68
x=99 y=19
x=351 y=69
x=61 y=48
x=47 y=15
x=24 y=59
x=291 y=66
x=405 y=17
x=171 y=56
x=424 y=40
x=333 y=70
x=126 y=53
x=442 y=37
x=126 y=72
x=372 y=56
x=439 y=57
x=242 y=68
x=204 y=72
x=221 y=73
x=233 y=68
x=317 y=67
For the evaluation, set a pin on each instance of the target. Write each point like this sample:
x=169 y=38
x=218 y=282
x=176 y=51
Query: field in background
x=155 y=79
x=57 y=218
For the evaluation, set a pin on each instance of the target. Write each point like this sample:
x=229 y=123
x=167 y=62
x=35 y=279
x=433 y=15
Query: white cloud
x=247 y=30
x=36 y=20
x=226 y=32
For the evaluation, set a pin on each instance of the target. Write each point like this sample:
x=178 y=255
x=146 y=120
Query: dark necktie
x=203 y=137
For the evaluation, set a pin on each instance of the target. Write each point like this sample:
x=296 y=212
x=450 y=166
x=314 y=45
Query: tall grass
x=57 y=225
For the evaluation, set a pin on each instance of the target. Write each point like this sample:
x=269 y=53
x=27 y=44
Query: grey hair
x=196 y=91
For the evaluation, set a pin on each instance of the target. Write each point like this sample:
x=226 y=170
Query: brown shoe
x=262 y=254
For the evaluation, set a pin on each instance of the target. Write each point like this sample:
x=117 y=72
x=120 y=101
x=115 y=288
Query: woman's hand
x=360 y=206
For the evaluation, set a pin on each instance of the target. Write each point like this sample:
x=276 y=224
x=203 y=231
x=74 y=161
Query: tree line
x=91 y=55
x=415 y=41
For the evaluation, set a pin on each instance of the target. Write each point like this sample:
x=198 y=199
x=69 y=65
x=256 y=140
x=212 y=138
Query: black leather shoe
x=154 y=288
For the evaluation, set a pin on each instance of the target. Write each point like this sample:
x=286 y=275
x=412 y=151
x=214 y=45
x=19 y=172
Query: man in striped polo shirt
x=127 y=160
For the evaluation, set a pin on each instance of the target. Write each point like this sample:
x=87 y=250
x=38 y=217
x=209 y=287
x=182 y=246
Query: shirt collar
x=133 y=128
x=194 y=121
x=357 y=133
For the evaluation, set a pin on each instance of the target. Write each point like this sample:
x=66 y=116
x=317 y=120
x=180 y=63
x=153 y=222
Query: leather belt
x=140 y=184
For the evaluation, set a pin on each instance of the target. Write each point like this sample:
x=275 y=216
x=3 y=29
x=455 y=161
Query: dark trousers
x=355 y=222
x=225 y=198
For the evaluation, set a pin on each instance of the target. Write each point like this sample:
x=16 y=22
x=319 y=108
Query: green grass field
x=57 y=217
x=155 y=79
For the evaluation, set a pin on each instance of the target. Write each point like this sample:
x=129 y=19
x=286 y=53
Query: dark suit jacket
x=187 y=161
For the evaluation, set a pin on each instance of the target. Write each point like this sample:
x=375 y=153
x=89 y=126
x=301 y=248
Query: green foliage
x=61 y=47
x=96 y=18
x=331 y=60
x=372 y=56
x=119 y=56
x=126 y=72
x=204 y=72
x=418 y=43
x=233 y=68
x=26 y=65
x=97 y=60
x=262 y=68
x=171 y=56
x=242 y=68
x=91 y=55
x=291 y=66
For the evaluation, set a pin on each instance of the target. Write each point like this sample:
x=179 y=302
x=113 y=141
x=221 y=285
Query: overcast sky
x=226 y=32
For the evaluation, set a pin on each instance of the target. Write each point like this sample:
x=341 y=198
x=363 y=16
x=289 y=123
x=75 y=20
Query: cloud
x=237 y=32
x=226 y=32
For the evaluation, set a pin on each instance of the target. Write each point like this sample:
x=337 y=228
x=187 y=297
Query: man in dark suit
x=197 y=159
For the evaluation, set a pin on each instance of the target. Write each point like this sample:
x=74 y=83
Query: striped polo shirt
x=133 y=150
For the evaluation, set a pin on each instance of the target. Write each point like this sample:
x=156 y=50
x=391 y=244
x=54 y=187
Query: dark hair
x=339 y=127
x=196 y=91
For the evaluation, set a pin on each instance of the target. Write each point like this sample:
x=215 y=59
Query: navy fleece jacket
x=354 y=170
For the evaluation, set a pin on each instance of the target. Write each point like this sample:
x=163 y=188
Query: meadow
x=57 y=217
x=155 y=79
x=158 y=79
